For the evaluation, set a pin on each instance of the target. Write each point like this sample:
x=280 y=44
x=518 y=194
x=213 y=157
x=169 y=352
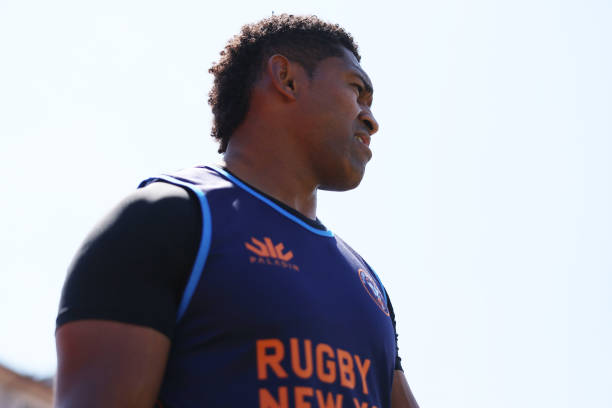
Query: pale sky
x=485 y=209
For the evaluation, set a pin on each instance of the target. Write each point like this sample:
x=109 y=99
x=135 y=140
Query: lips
x=363 y=137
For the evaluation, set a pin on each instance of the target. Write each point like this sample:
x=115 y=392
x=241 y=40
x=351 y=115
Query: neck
x=272 y=167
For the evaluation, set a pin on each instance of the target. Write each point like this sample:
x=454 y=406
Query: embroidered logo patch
x=268 y=253
x=374 y=290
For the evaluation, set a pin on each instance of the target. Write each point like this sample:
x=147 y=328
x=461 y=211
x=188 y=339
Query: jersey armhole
x=205 y=240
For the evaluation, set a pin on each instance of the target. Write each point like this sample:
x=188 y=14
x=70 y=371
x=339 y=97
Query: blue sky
x=485 y=209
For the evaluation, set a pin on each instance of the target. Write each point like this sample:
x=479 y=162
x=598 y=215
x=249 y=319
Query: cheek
x=342 y=112
x=341 y=100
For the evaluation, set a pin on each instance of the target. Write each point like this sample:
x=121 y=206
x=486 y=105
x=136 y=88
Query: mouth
x=363 y=138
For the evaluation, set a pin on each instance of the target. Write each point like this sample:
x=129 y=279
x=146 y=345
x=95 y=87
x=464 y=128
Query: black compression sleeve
x=134 y=265
x=398 y=360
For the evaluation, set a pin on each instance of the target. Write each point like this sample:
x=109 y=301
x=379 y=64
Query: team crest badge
x=373 y=288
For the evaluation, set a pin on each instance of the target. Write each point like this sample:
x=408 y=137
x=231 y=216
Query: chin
x=347 y=181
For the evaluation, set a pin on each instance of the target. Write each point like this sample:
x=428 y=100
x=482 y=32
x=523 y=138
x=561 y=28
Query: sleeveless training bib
x=276 y=312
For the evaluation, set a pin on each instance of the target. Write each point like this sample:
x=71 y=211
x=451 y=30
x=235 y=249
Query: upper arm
x=401 y=395
x=109 y=364
x=120 y=298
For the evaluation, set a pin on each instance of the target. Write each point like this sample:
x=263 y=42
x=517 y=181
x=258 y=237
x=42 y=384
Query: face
x=337 y=122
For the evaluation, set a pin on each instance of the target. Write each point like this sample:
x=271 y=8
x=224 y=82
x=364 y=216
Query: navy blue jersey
x=276 y=313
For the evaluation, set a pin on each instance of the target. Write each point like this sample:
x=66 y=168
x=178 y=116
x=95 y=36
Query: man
x=218 y=286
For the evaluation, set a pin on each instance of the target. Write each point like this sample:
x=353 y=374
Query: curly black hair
x=303 y=39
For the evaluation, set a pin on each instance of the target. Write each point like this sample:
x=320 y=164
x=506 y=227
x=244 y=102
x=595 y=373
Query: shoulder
x=153 y=228
x=198 y=180
x=158 y=223
x=160 y=197
x=145 y=245
x=156 y=207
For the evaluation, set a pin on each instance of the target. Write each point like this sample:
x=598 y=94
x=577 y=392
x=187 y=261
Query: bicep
x=109 y=364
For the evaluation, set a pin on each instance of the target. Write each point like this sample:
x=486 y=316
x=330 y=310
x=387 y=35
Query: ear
x=285 y=76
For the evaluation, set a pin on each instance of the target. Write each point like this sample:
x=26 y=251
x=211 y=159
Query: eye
x=359 y=89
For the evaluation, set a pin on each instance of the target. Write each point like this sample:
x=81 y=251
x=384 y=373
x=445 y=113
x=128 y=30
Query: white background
x=485 y=210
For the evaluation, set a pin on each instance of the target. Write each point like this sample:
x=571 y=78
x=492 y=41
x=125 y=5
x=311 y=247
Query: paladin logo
x=270 y=254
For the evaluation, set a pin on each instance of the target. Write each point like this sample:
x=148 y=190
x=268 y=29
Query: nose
x=367 y=118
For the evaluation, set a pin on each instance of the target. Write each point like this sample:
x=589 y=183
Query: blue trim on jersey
x=325 y=233
x=198 y=266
